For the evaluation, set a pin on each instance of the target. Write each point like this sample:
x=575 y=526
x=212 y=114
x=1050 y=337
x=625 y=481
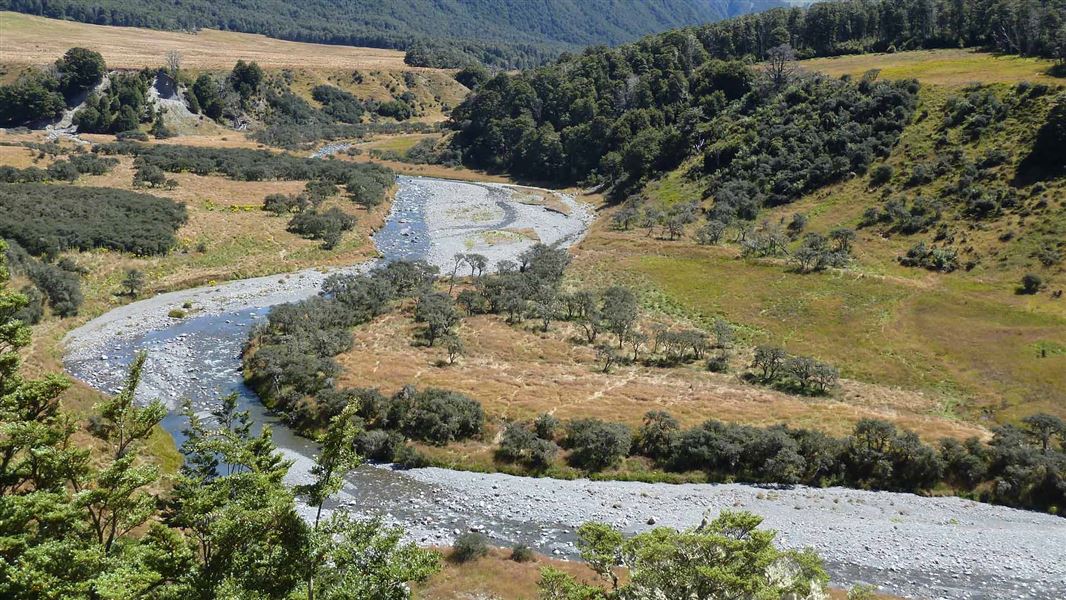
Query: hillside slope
x=510 y=33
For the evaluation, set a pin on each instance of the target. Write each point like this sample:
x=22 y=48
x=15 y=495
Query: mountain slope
x=511 y=32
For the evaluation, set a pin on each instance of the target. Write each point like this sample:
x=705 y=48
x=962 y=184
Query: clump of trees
x=43 y=95
x=328 y=225
x=1020 y=466
x=604 y=117
x=367 y=183
x=84 y=218
x=65 y=170
x=774 y=366
x=122 y=107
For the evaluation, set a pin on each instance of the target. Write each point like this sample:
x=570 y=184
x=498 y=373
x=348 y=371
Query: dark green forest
x=511 y=33
x=619 y=116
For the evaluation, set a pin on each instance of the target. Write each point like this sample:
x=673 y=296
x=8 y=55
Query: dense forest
x=621 y=116
x=511 y=33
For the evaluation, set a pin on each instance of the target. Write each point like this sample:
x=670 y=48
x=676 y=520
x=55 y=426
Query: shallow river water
x=908 y=545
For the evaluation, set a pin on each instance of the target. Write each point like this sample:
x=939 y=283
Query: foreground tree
x=80 y=525
x=728 y=557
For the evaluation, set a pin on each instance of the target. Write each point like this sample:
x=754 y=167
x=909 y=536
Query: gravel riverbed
x=908 y=545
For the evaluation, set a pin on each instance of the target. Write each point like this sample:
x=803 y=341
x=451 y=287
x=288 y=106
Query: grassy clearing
x=397 y=143
x=940 y=67
x=31 y=40
x=518 y=372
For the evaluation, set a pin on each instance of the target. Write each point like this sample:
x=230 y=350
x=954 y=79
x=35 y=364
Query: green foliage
x=35 y=95
x=439 y=314
x=205 y=95
x=726 y=557
x=520 y=444
x=605 y=116
x=255 y=165
x=523 y=554
x=595 y=445
x=440 y=416
x=338 y=103
x=229 y=527
x=79 y=69
x=122 y=107
x=84 y=218
x=245 y=79
x=473 y=76
x=327 y=225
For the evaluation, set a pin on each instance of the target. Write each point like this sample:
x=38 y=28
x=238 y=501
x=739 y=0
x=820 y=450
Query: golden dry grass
x=21 y=157
x=26 y=39
x=496 y=577
x=940 y=67
x=517 y=372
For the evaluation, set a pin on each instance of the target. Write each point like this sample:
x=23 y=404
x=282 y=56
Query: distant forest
x=503 y=33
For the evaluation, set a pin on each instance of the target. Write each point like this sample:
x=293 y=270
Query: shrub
x=545 y=426
x=176 y=313
x=881 y=174
x=944 y=260
x=595 y=445
x=523 y=554
x=1030 y=284
x=468 y=547
x=440 y=416
x=131 y=135
x=519 y=444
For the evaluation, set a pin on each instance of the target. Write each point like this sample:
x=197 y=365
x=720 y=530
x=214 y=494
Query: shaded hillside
x=506 y=33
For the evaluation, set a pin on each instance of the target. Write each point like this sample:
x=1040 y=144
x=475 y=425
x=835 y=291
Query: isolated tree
x=439 y=314
x=842 y=237
x=457 y=262
x=620 y=311
x=1042 y=428
x=174 y=63
x=711 y=233
x=133 y=282
x=780 y=66
x=769 y=360
x=453 y=344
x=607 y=356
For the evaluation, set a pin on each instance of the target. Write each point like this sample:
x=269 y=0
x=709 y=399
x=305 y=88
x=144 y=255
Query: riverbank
x=909 y=545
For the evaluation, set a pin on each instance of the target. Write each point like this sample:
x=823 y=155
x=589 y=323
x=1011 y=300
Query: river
x=906 y=544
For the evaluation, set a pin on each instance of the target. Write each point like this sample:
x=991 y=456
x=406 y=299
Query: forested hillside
x=626 y=113
x=511 y=33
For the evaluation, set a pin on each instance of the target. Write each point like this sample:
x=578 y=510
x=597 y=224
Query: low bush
x=468 y=547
